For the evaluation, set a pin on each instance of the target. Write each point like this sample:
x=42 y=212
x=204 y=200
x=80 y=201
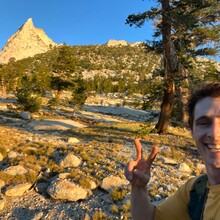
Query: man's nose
x=214 y=131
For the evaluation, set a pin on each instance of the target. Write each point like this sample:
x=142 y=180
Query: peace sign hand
x=138 y=171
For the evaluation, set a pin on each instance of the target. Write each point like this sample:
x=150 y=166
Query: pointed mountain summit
x=26 y=42
x=28 y=24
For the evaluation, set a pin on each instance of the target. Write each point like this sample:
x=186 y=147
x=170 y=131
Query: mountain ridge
x=29 y=41
x=26 y=42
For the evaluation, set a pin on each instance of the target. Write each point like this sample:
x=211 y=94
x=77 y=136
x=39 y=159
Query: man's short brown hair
x=206 y=89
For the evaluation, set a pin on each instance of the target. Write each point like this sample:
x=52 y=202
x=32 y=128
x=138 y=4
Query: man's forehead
x=208 y=106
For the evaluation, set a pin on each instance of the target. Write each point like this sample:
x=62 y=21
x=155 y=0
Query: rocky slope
x=56 y=173
x=26 y=42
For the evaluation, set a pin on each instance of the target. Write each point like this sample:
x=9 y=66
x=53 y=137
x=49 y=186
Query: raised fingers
x=138 y=147
x=152 y=155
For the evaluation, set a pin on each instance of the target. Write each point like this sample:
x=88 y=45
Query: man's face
x=206 y=130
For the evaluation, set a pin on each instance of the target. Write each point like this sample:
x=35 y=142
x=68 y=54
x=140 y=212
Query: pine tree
x=78 y=92
x=189 y=28
x=64 y=70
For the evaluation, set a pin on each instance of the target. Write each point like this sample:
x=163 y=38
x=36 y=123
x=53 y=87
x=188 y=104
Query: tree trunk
x=166 y=106
x=170 y=66
x=182 y=95
x=3 y=87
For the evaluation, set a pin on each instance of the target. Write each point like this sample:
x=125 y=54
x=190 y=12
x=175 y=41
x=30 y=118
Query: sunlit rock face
x=26 y=42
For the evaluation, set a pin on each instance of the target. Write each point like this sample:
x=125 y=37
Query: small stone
x=2 y=204
x=73 y=140
x=26 y=115
x=1 y=157
x=12 y=154
x=87 y=217
x=2 y=183
x=183 y=167
x=38 y=216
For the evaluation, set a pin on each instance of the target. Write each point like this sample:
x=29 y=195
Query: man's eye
x=202 y=123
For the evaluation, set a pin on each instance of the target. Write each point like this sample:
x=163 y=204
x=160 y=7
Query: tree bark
x=170 y=66
x=182 y=96
x=166 y=106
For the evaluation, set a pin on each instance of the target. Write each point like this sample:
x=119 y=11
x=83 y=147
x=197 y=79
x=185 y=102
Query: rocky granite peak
x=115 y=43
x=112 y=43
x=26 y=42
x=28 y=24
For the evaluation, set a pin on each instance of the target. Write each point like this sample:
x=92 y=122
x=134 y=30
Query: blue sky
x=75 y=22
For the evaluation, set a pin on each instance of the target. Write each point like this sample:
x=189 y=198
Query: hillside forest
x=84 y=71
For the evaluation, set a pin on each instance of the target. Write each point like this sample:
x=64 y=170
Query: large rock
x=111 y=182
x=18 y=189
x=15 y=170
x=166 y=160
x=70 y=161
x=65 y=190
x=54 y=124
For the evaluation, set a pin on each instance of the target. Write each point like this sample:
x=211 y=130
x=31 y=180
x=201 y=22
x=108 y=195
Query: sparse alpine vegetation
x=86 y=171
x=60 y=160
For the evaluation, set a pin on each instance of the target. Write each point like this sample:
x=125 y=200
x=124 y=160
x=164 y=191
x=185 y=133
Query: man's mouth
x=214 y=147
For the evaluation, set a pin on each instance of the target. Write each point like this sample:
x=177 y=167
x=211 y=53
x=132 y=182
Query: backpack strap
x=198 y=196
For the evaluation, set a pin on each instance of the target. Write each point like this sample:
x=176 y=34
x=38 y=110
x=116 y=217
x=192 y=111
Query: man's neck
x=213 y=176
